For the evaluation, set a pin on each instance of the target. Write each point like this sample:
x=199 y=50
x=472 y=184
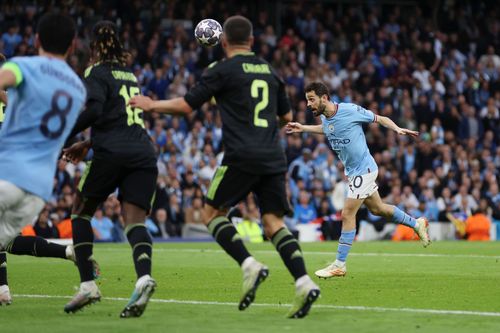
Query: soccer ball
x=208 y=32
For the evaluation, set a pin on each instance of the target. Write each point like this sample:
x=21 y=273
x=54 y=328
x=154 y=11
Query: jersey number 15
x=133 y=114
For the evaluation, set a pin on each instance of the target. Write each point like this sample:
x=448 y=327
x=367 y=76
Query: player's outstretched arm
x=387 y=122
x=293 y=127
x=171 y=106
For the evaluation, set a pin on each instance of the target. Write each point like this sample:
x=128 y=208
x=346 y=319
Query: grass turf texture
x=384 y=280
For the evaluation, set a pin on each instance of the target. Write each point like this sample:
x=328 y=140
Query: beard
x=319 y=110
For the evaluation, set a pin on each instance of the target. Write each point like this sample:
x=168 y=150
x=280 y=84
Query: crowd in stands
x=431 y=69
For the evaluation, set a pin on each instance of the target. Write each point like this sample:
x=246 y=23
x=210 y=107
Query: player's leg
x=98 y=181
x=17 y=209
x=375 y=204
x=360 y=188
x=136 y=193
x=5 y=297
x=83 y=242
x=38 y=247
x=338 y=267
x=228 y=187
x=273 y=203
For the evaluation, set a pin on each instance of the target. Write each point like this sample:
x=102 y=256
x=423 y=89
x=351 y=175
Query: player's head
x=2 y=58
x=317 y=97
x=106 y=45
x=55 y=33
x=237 y=31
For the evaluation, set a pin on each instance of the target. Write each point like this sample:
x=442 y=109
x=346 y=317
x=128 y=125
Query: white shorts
x=17 y=209
x=361 y=187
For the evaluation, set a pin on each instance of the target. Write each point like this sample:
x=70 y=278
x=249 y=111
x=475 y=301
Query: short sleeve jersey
x=120 y=127
x=250 y=96
x=41 y=112
x=346 y=137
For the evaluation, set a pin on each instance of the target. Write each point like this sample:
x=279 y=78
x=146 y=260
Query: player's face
x=315 y=103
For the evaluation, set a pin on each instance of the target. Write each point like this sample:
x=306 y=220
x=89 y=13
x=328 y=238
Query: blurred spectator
x=304 y=211
x=43 y=226
x=477 y=227
x=102 y=226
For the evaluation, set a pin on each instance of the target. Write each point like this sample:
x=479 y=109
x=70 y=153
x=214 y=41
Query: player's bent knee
x=211 y=213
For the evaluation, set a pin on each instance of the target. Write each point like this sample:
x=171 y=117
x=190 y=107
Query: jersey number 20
x=262 y=104
x=133 y=114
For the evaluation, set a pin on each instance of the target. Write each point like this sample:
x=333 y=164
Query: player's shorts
x=362 y=187
x=230 y=185
x=133 y=174
x=17 y=209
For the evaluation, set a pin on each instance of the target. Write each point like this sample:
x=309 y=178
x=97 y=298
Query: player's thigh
x=100 y=178
x=271 y=195
x=363 y=186
x=376 y=206
x=137 y=187
x=351 y=207
x=19 y=214
x=229 y=186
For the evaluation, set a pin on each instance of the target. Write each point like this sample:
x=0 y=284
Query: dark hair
x=56 y=32
x=105 y=44
x=238 y=30
x=319 y=89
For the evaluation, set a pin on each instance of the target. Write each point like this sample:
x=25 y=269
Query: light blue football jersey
x=346 y=137
x=41 y=111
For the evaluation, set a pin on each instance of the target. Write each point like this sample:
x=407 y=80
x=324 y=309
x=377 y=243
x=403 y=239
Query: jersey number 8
x=58 y=112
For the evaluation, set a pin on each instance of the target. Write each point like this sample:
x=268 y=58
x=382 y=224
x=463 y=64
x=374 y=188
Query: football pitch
x=389 y=287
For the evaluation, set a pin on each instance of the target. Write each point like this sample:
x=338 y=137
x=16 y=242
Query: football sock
x=289 y=250
x=3 y=268
x=345 y=243
x=142 y=247
x=83 y=242
x=403 y=218
x=36 y=246
x=228 y=238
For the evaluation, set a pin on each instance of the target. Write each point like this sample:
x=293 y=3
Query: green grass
x=446 y=276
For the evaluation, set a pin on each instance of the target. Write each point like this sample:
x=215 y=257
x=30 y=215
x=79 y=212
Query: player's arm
x=293 y=127
x=210 y=83
x=285 y=119
x=387 y=122
x=3 y=97
x=175 y=106
x=10 y=76
x=93 y=111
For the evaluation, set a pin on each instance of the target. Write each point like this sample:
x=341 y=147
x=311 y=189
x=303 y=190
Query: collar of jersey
x=250 y=53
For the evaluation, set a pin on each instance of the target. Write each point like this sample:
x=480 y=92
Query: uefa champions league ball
x=208 y=32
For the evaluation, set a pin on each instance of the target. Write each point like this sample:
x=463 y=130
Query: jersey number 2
x=262 y=104
x=133 y=114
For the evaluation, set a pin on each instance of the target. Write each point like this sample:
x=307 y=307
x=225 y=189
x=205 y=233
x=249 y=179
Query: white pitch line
x=320 y=306
x=366 y=254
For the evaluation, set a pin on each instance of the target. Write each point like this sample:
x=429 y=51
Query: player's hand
x=293 y=127
x=405 y=131
x=77 y=152
x=142 y=102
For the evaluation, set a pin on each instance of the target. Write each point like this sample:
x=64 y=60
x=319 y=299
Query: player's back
x=250 y=97
x=41 y=112
x=120 y=128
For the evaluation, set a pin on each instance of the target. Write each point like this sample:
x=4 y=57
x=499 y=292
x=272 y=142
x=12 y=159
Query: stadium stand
x=415 y=62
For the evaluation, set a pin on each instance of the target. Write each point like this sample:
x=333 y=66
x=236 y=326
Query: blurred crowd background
x=431 y=66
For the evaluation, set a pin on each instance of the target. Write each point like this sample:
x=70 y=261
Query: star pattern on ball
x=208 y=32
